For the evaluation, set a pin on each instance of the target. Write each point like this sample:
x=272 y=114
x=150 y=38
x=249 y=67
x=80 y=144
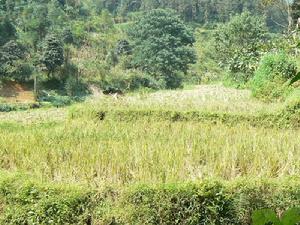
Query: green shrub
x=292 y=103
x=25 y=201
x=67 y=36
x=18 y=107
x=207 y=68
x=7 y=108
x=235 y=80
x=271 y=78
x=76 y=87
x=191 y=204
x=129 y=80
x=55 y=99
x=140 y=80
x=114 y=83
x=68 y=69
x=206 y=202
x=60 y=101
x=239 y=44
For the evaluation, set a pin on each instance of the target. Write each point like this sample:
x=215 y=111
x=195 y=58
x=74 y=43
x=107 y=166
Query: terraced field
x=135 y=159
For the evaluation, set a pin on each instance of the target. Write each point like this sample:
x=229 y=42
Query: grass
x=149 y=152
x=214 y=98
x=51 y=146
x=34 y=116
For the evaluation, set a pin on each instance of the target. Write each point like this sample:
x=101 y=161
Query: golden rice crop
x=94 y=152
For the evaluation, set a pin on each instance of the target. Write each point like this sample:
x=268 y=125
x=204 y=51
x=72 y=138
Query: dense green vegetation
x=28 y=201
x=162 y=47
x=122 y=46
x=168 y=112
x=273 y=78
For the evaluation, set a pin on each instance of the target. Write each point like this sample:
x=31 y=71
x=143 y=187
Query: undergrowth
x=25 y=201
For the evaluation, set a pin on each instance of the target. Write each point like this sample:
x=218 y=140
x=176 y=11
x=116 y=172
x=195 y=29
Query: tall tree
x=13 y=61
x=53 y=53
x=162 y=46
x=7 y=31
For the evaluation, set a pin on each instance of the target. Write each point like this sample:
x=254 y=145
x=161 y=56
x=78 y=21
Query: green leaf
x=265 y=217
x=291 y=217
x=295 y=79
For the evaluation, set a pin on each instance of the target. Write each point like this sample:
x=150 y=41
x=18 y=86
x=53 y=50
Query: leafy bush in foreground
x=268 y=216
x=24 y=201
x=271 y=78
x=31 y=203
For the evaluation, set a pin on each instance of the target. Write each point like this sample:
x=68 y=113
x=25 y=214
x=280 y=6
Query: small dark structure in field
x=112 y=91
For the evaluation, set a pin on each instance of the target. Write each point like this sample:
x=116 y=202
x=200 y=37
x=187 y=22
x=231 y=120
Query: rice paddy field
x=74 y=146
x=159 y=152
x=52 y=145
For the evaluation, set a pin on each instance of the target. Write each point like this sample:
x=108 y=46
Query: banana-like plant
x=269 y=217
x=295 y=79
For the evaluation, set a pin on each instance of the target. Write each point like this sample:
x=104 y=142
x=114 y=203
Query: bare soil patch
x=13 y=92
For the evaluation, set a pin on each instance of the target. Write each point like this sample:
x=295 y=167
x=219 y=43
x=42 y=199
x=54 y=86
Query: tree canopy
x=162 y=45
x=53 y=53
x=240 y=42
